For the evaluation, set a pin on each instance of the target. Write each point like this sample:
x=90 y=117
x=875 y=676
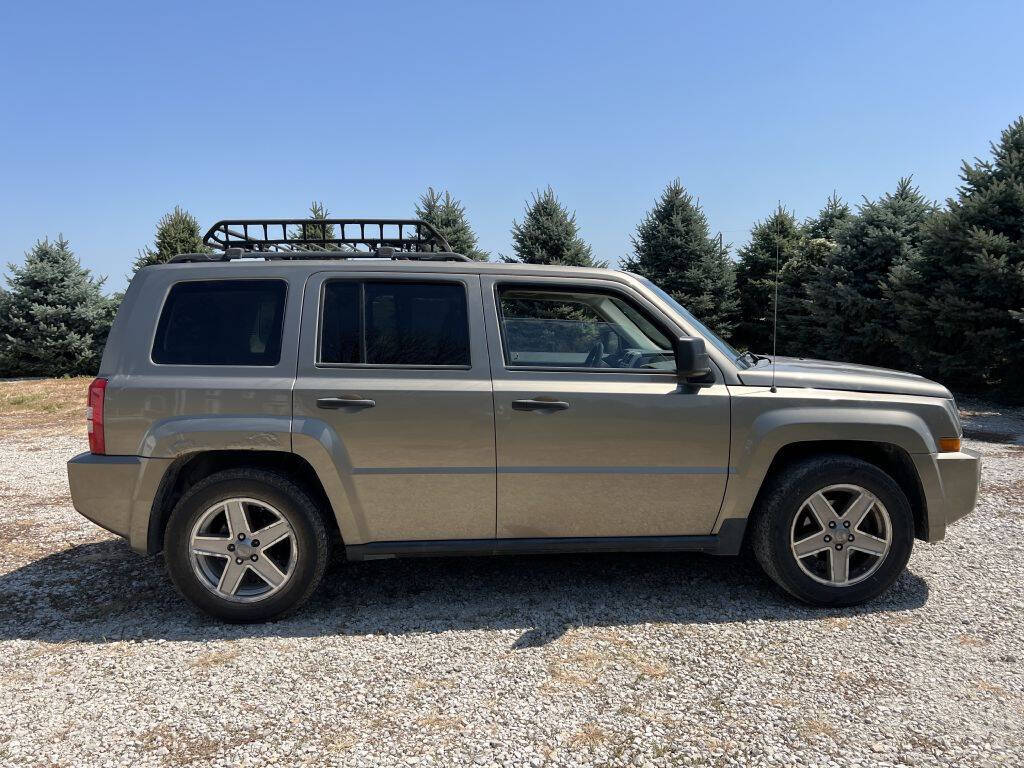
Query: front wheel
x=833 y=531
x=246 y=545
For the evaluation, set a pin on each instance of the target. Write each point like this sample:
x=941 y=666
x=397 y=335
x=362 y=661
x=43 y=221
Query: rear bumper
x=950 y=482
x=116 y=492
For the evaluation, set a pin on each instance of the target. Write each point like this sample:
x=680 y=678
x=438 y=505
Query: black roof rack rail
x=324 y=239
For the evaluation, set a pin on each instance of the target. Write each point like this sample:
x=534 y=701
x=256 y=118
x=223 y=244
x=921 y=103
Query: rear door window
x=399 y=323
x=221 y=322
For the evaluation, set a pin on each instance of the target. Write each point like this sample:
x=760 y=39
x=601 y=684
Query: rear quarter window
x=221 y=322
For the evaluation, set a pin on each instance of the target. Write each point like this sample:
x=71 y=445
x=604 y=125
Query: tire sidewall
x=788 y=505
x=177 y=550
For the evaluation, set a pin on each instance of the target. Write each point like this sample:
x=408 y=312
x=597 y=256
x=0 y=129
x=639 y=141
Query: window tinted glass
x=555 y=329
x=221 y=322
x=339 y=334
x=402 y=324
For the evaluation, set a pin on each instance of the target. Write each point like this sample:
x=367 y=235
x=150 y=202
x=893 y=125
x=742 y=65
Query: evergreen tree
x=776 y=239
x=448 y=216
x=673 y=248
x=313 y=231
x=549 y=235
x=960 y=300
x=853 y=312
x=799 y=335
x=826 y=224
x=176 y=232
x=55 y=319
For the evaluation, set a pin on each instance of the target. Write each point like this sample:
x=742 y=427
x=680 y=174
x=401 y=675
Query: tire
x=296 y=559
x=783 y=525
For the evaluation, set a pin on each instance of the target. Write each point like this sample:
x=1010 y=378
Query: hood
x=822 y=374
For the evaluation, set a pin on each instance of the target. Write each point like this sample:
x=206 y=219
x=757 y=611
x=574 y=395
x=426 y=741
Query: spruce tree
x=777 y=238
x=448 y=216
x=960 y=300
x=799 y=335
x=313 y=231
x=852 y=310
x=549 y=235
x=176 y=232
x=55 y=319
x=673 y=248
x=830 y=218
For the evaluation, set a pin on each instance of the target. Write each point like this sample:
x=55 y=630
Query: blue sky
x=114 y=113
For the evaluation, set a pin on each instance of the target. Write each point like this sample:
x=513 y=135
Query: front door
x=393 y=376
x=595 y=435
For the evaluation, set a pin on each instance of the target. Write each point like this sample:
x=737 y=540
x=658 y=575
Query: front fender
x=763 y=423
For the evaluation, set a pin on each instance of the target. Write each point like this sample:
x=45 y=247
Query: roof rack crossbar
x=288 y=235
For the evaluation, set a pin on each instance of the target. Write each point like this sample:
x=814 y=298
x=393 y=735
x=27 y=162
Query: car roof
x=376 y=264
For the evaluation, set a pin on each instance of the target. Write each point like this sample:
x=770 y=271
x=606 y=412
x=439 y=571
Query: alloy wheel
x=243 y=550
x=841 y=535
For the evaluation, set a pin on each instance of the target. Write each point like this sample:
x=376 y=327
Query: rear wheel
x=833 y=531
x=246 y=545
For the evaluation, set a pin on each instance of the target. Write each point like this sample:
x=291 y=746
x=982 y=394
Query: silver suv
x=362 y=385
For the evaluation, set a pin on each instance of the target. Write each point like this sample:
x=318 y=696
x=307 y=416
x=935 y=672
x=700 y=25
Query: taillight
x=94 y=416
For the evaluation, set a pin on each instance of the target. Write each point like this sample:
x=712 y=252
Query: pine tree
x=799 y=334
x=549 y=235
x=851 y=308
x=776 y=239
x=176 y=232
x=313 y=231
x=960 y=300
x=673 y=248
x=448 y=216
x=56 y=319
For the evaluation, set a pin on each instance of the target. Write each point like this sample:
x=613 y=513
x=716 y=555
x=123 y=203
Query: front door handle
x=539 y=405
x=344 y=402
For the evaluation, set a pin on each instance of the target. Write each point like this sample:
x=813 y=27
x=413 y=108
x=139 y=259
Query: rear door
x=393 y=375
x=595 y=435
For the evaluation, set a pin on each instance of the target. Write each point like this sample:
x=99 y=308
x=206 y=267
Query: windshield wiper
x=753 y=357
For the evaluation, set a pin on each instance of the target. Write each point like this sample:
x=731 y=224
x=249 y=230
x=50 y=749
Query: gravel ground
x=601 y=660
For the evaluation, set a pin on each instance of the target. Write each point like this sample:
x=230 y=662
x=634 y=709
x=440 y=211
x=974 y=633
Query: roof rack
x=324 y=239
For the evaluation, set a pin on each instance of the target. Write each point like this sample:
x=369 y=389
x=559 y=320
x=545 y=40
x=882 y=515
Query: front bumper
x=960 y=474
x=116 y=492
x=950 y=482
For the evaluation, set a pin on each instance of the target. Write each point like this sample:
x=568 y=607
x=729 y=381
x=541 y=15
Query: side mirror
x=692 y=359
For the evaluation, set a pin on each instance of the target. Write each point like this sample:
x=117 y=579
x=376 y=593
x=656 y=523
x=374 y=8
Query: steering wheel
x=596 y=355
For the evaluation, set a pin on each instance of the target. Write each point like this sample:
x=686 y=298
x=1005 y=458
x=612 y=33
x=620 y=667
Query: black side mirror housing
x=692 y=361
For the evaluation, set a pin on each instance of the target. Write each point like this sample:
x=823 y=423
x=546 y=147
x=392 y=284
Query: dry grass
x=31 y=404
x=590 y=735
x=216 y=658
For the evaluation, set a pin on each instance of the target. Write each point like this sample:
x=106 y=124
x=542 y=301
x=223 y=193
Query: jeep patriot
x=362 y=386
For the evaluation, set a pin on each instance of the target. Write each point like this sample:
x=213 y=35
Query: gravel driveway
x=606 y=660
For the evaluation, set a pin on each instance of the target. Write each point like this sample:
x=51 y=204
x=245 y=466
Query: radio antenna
x=775 y=313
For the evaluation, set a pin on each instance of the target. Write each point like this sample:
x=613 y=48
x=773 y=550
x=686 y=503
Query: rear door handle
x=344 y=402
x=539 y=405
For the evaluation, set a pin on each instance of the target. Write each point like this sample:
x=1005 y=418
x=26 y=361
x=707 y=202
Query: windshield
x=720 y=344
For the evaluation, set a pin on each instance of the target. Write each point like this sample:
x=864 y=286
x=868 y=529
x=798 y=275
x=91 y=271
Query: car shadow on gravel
x=103 y=592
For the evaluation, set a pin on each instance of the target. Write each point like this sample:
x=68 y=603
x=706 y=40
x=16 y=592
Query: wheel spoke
x=809 y=546
x=211 y=545
x=822 y=510
x=266 y=570
x=871 y=544
x=839 y=560
x=273 y=533
x=858 y=509
x=231 y=578
x=237 y=521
